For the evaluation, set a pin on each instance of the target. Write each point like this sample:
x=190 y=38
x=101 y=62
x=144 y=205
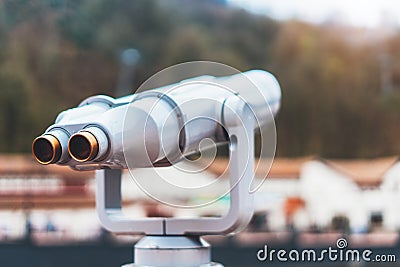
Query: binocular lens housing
x=83 y=146
x=46 y=149
x=164 y=124
x=57 y=147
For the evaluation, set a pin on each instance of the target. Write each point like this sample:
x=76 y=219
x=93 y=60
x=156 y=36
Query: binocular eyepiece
x=83 y=146
x=46 y=149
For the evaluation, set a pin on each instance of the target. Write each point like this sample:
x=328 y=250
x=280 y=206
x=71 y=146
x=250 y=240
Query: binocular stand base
x=176 y=251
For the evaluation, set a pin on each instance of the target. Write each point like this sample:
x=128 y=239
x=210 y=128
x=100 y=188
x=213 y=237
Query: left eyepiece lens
x=46 y=149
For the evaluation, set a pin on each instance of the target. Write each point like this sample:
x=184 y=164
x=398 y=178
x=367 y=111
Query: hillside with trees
x=341 y=86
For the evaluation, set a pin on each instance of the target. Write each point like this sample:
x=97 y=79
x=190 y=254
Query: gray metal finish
x=239 y=122
x=176 y=251
x=166 y=123
x=159 y=127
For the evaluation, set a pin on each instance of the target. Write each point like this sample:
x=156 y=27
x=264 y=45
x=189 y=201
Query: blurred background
x=336 y=172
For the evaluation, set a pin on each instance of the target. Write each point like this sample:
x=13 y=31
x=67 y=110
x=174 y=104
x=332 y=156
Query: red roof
x=26 y=165
x=281 y=167
x=364 y=172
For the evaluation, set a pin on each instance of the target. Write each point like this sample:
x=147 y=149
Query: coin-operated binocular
x=161 y=127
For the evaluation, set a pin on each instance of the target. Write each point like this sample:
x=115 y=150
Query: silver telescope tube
x=159 y=126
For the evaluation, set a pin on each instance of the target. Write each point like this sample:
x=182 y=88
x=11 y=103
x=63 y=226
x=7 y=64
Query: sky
x=359 y=13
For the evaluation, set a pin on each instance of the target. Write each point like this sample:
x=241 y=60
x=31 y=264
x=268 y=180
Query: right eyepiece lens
x=83 y=147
